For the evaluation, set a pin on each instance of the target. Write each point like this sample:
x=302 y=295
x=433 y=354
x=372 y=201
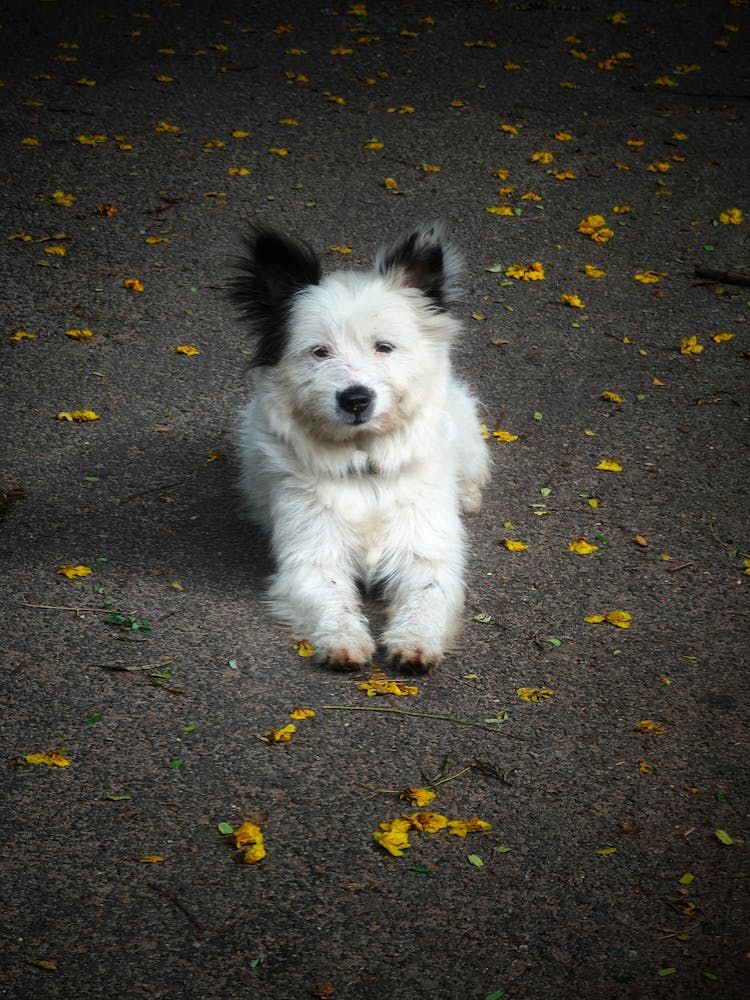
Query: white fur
x=374 y=503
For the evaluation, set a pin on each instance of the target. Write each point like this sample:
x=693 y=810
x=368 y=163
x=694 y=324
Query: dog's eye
x=384 y=348
x=320 y=352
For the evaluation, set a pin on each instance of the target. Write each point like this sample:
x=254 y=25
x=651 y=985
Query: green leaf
x=470 y=677
x=484 y=619
x=255 y=962
x=724 y=837
x=91 y=479
x=502 y=849
x=190 y=728
x=92 y=719
x=711 y=976
x=553 y=641
x=721 y=797
x=496 y=995
x=537 y=415
x=495 y=269
x=117 y=798
x=232 y=664
x=421 y=870
x=546 y=491
x=175 y=764
x=475 y=860
x=225 y=829
x=667 y=972
x=686 y=879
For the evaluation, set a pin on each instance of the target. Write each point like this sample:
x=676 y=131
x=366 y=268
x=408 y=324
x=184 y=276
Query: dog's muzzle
x=356 y=403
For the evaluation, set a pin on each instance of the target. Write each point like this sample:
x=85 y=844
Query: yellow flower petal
x=582 y=547
x=394 y=837
x=282 y=735
x=534 y=694
x=609 y=465
x=188 y=350
x=417 y=796
x=512 y=546
x=71 y=570
x=52 y=758
x=304 y=648
x=301 y=713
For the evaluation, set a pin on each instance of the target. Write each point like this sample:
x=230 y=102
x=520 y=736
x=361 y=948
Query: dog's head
x=352 y=351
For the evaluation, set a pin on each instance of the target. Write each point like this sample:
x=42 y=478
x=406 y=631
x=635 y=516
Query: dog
x=360 y=446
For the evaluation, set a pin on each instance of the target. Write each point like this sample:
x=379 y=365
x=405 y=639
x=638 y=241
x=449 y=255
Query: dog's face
x=351 y=353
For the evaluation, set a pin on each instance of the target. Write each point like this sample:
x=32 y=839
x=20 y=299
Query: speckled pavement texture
x=603 y=875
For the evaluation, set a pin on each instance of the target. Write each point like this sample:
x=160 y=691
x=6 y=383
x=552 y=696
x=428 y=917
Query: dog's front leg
x=425 y=605
x=321 y=602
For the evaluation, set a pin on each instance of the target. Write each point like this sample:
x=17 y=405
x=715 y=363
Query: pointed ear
x=423 y=259
x=273 y=268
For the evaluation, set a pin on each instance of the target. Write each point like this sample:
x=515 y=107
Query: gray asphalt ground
x=616 y=864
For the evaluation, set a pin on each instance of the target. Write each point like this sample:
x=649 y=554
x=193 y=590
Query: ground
x=609 y=761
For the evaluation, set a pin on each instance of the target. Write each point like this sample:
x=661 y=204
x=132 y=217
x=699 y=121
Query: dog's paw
x=471 y=498
x=414 y=660
x=344 y=656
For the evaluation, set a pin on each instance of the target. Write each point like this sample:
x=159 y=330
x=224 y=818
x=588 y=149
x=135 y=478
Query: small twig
x=420 y=715
x=674 y=569
x=134 y=667
x=430 y=784
x=188 y=914
x=66 y=607
x=154 y=489
x=727 y=277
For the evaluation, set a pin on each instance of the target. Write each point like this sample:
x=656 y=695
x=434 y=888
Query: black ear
x=273 y=268
x=426 y=260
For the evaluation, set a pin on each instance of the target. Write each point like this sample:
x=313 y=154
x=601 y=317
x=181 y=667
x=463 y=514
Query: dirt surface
x=616 y=863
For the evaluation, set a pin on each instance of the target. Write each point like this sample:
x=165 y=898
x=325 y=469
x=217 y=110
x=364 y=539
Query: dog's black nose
x=355 y=399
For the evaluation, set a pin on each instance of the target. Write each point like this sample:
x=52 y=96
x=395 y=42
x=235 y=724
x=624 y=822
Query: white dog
x=360 y=444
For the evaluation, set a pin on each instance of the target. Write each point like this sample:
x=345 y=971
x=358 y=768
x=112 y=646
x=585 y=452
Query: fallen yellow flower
x=304 y=648
x=301 y=713
x=722 y=338
x=148 y=859
x=582 y=547
x=542 y=157
x=504 y=436
x=611 y=397
x=133 y=284
x=376 y=686
x=647 y=726
x=534 y=694
x=732 y=216
x=572 y=300
x=394 y=836
x=512 y=546
x=609 y=465
x=460 y=827
x=79 y=334
x=391 y=184
x=690 y=345
x=52 y=758
x=79 y=415
x=593 y=272
x=649 y=277
x=417 y=796
x=247 y=833
x=621 y=619
x=282 y=735
x=63 y=198
x=22 y=335
x=534 y=272
x=188 y=350
x=427 y=822
x=70 y=570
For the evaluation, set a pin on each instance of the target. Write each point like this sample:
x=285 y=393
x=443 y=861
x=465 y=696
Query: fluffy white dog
x=360 y=445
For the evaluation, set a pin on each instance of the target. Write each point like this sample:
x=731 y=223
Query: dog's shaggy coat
x=360 y=445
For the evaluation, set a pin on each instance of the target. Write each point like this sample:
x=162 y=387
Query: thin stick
x=65 y=607
x=728 y=277
x=420 y=715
